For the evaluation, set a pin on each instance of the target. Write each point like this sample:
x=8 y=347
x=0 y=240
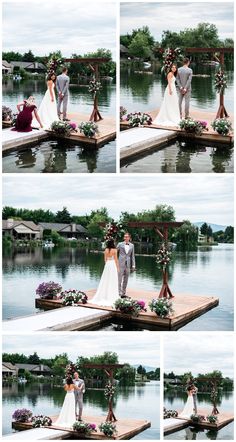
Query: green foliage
x=226 y=236
x=63 y=216
x=108 y=68
x=126 y=375
x=28 y=56
x=186 y=237
x=59 y=363
x=34 y=359
x=106 y=358
x=96 y=217
x=15 y=358
x=139 y=46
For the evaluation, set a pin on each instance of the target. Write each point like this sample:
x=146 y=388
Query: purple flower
x=141 y=303
x=92 y=426
x=73 y=125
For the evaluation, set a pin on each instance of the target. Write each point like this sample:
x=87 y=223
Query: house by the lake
x=21 y=229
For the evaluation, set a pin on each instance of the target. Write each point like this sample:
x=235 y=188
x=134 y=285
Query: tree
x=139 y=46
x=204 y=229
x=126 y=375
x=28 y=56
x=11 y=56
x=96 y=217
x=34 y=359
x=59 y=364
x=8 y=212
x=63 y=216
x=15 y=358
x=186 y=236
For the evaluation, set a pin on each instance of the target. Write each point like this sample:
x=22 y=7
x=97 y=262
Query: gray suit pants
x=79 y=404
x=195 y=403
x=123 y=277
x=186 y=98
x=64 y=102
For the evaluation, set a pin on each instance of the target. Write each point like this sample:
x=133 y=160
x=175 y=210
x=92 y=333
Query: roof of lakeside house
x=9 y=366
x=59 y=227
x=8 y=225
x=28 y=65
x=6 y=64
x=34 y=367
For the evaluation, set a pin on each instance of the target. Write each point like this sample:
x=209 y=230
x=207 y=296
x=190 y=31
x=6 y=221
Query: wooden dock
x=126 y=428
x=175 y=424
x=12 y=140
x=186 y=309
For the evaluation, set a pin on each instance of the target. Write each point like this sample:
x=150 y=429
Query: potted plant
x=190 y=125
x=84 y=427
x=222 y=126
x=7 y=113
x=212 y=419
x=197 y=418
x=137 y=119
x=130 y=306
x=169 y=413
x=63 y=128
x=48 y=290
x=107 y=428
x=41 y=421
x=22 y=415
x=123 y=112
x=88 y=129
x=72 y=297
x=161 y=306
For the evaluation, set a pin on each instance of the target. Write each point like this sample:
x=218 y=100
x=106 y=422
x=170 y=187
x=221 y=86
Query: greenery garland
x=220 y=82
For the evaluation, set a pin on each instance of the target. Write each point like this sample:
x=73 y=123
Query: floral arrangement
x=41 y=421
x=108 y=428
x=70 y=369
x=163 y=257
x=113 y=230
x=222 y=126
x=22 y=415
x=89 y=129
x=169 y=413
x=94 y=86
x=193 y=126
x=109 y=390
x=72 y=297
x=130 y=306
x=170 y=56
x=220 y=82
x=123 y=112
x=212 y=419
x=7 y=113
x=84 y=427
x=137 y=119
x=161 y=306
x=197 y=418
x=63 y=128
x=53 y=63
x=48 y=290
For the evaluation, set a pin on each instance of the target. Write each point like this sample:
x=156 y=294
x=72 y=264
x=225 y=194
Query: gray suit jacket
x=184 y=78
x=62 y=84
x=78 y=384
x=126 y=259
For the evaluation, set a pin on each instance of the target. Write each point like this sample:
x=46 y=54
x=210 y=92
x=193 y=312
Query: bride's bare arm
x=50 y=83
x=169 y=78
x=116 y=260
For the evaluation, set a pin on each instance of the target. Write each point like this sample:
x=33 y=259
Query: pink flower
x=141 y=303
x=73 y=125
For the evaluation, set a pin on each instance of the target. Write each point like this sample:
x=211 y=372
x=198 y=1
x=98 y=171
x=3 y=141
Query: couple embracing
x=119 y=262
x=73 y=403
x=170 y=112
x=191 y=404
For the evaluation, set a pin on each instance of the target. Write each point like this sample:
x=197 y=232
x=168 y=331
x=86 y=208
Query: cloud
x=69 y=26
x=199 y=353
x=177 y=16
x=198 y=198
x=133 y=348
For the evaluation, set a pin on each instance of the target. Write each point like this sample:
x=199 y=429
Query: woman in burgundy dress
x=25 y=116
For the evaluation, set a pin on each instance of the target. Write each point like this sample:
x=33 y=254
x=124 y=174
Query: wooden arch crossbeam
x=109 y=370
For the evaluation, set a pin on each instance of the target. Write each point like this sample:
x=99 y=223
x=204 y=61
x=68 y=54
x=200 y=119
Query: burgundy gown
x=24 y=119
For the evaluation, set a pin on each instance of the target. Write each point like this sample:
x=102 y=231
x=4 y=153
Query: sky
x=200 y=353
x=68 y=25
x=176 y=17
x=194 y=197
x=133 y=348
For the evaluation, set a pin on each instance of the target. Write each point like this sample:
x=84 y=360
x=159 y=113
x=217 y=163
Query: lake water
x=140 y=401
x=144 y=92
x=208 y=271
x=176 y=401
x=182 y=157
x=61 y=156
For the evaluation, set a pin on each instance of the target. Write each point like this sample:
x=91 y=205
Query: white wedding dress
x=188 y=408
x=48 y=109
x=67 y=416
x=169 y=114
x=107 y=292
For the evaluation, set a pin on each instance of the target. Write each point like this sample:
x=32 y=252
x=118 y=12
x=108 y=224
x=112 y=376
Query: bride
x=107 y=292
x=48 y=107
x=169 y=114
x=67 y=415
x=189 y=406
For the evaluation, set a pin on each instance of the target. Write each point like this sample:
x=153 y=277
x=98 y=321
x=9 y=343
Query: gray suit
x=62 y=85
x=184 y=79
x=126 y=262
x=79 y=396
x=195 y=400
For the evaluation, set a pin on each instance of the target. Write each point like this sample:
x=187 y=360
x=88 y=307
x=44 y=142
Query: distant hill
x=215 y=227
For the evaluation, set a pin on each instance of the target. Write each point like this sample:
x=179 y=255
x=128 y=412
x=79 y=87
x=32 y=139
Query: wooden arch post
x=94 y=64
x=109 y=370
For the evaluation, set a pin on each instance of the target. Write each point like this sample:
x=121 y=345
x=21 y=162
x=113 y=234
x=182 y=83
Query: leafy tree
x=11 y=56
x=59 y=364
x=28 y=56
x=126 y=375
x=96 y=217
x=90 y=373
x=34 y=359
x=139 y=46
x=186 y=236
x=63 y=216
x=8 y=212
x=15 y=358
x=204 y=229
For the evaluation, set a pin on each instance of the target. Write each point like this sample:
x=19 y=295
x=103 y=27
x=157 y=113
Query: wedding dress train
x=47 y=110
x=107 y=292
x=188 y=408
x=169 y=114
x=67 y=416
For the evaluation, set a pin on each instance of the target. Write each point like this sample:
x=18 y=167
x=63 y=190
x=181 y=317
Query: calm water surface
x=130 y=402
x=205 y=272
x=176 y=401
x=182 y=157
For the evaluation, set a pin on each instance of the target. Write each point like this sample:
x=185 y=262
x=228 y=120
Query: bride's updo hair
x=110 y=244
x=69 y=381
x=51 y=75
x=189 y=388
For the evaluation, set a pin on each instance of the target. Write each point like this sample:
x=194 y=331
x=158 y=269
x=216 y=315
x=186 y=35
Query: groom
x=194 y=393
x=125 y=251
x=184 y=79
x=62 y=85
x=78 y=395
